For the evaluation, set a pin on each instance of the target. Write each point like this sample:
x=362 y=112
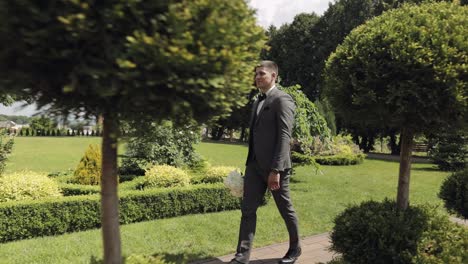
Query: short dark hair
x=269 y=65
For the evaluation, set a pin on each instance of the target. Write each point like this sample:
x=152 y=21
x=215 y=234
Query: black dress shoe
x=291 y=256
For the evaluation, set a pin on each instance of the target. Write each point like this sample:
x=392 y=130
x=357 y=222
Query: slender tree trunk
x=109 y=197
x=406 y=139
x=242 y=135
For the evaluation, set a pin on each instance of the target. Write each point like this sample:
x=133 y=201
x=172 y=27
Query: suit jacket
x=270 y=131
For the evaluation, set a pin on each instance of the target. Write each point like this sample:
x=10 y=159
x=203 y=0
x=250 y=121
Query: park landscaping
x=318 y=196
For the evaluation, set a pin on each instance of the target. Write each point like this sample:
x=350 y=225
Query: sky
x=268 y=12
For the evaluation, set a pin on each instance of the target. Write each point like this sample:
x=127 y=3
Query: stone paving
x=314 y=250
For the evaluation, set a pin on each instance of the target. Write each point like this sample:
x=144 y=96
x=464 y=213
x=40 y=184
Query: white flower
x=235 y=182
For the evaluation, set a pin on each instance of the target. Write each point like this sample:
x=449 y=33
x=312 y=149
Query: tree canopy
x=128 y=60
x=407 y=70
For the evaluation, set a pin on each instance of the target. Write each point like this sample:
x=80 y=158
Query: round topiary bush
x=165 y=176
x=454 y=192
x=89 y=169
x=216 y=174
x=27 y=185
x=376 y=232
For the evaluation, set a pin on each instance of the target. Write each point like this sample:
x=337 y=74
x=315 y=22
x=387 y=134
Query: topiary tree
x=89 y=168
x=128 y=60
x=449 y=150
x=6 y=146
x=405 y=70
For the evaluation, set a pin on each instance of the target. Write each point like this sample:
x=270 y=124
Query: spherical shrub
x=213 y=174
x=165 y=176
x=27 y=185
x=88 y=170
x=376 y=232
x=454 y=192
x=443 y=242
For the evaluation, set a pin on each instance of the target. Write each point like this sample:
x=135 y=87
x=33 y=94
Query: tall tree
x=128 y=60
x=405 y=69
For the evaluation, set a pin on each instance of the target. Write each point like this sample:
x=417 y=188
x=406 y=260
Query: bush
x=443 y=242
x=88 y=170
x=78 y=189
x=27 y=185
x=299 y=159
x=165 y=176
x=161 y=143
x=21 y=220
x=341 y=159
x=375 y=232
x=213 y=175
x=6 y=145
x=450 y=151
x=454 y=193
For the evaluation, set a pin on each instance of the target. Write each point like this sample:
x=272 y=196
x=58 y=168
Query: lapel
x=266 y=103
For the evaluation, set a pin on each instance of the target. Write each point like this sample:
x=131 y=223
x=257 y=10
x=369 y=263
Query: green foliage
x=308 y=122
x=6 y=145
x=42 y=123
x=161 y=144
x=376 y=232
x=70 y=214
x=340 y=159
x=89 y=169
x=213 y=174
x=443 y=242
x=27 y=185
x=450 y=150
x=164 y=176
x=79 y=189
x=300 y=159
x=403 y=69
x=454 y=193
x=185 y=59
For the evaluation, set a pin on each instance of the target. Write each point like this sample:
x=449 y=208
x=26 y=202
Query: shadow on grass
x=434 y=168
x=158 y=258
x=226 y=142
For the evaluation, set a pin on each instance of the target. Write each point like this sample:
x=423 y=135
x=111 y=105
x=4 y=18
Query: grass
x=318 y=198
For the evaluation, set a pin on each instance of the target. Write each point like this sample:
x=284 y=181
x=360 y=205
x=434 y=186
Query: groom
x=268 y=162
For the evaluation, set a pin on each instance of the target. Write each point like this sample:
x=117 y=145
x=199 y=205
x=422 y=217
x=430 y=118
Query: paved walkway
x=314 y=250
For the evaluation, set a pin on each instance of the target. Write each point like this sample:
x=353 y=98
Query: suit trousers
x=255 y=185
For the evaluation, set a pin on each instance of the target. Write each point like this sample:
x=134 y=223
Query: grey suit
x=269 y=148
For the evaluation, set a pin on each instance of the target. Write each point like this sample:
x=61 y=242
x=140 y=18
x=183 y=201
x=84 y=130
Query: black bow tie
x=261 y=97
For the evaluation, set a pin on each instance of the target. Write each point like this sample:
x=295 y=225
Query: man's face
x=264 y=78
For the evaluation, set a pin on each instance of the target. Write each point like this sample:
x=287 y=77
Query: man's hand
x=274 y=181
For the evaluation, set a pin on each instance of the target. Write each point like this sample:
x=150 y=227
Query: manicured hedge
x=340 y=159
x=78 y=189
x=21 y=220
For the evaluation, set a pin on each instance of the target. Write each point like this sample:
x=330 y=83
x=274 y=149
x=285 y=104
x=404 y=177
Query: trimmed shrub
x=340 y=159
x=454 y=193
x=213 y=175
x=23 y=219
x=165 y=176
x=78 y=189
x=302 y=159
x=27 y=185
x=376 y=232
x=443 y=242
x=88 y=170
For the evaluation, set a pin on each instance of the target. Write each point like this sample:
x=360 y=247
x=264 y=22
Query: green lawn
x=318 y=198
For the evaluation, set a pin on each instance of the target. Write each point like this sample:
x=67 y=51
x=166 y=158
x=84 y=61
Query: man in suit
x=268 y=162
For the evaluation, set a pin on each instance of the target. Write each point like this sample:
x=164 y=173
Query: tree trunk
x=109 y=197
x=242 y=135
x=406 y=139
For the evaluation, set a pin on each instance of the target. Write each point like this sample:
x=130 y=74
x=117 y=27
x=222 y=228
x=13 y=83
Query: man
x=268 y=162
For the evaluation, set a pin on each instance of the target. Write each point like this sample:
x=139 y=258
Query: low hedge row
x=340 y=159
x=21 y=220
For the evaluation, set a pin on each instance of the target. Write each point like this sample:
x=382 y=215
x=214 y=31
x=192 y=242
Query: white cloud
x=278 y=12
